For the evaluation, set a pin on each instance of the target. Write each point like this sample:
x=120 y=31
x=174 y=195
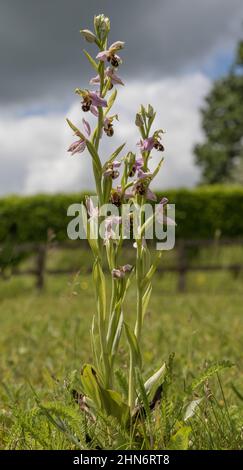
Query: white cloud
x=34 y=148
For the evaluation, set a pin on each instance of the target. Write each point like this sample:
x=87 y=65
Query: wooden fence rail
x=181 y=267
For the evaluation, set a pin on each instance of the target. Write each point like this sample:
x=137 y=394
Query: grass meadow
x=44 y=341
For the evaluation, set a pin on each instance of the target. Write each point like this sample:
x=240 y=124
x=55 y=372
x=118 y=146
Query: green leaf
x=75 y=129
x=117 y=335
x=146 y=298
x=152 y=270
x=99 y=282
x=93 y=152
x=133 y=345
x=90 y=384
x=142 y=395
x=180 y=440
x=157 y=169
x=105 y=400
x=155 y=381
x=91 y=60
x=94 y=341
x=111 y=101
x=114 y=155
x=114 y=405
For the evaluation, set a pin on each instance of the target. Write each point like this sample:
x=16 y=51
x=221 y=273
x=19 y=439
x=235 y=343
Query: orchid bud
x=139 y=120
x=102 y=25
x=150 y=111
x=88 y=35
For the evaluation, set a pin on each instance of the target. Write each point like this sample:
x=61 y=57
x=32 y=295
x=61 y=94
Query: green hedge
x=200 y=213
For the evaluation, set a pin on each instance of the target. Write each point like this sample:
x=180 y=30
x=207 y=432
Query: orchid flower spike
x=79 y=145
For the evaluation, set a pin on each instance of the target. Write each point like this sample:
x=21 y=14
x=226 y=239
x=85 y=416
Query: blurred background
x=185 y=57
x=175 y=50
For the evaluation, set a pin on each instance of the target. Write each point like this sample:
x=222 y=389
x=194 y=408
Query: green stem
x=131 y=387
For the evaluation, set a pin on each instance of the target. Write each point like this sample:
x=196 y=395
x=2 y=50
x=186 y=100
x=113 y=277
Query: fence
x=181 y=267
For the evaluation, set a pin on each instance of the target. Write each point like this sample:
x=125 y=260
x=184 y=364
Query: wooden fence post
x=181 y=256
x=40 y=266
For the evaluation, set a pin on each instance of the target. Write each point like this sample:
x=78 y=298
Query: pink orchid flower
x=115 y=80
x=119 y=273
x=91 y=101
x=111 y=169
x=109 y=224
x=91 y=209
x=110 y=54
x=97 y=100
x=146 y=145
x=160 y=213
x=138 y=164
x=79 y=145
x=140 y=188
x=109 y=73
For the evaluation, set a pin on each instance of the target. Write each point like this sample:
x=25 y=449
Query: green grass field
x=44 y=340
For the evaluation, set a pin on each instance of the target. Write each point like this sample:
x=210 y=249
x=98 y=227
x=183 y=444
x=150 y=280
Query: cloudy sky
x=174 y=50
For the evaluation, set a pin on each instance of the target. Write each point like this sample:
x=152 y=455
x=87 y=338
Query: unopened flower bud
x=139 y=120
x=102 y=25
x=88 y=35
x=150 y=111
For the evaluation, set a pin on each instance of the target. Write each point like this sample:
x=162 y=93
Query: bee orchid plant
x=98 y=380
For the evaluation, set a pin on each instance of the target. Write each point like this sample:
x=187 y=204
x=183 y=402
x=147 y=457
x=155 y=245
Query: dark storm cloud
x=40 y=43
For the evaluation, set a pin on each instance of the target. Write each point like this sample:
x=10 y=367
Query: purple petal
x=94 y=111
x=169 y=221
x=150 y=195
x=164 y=201
x=86 y=127
x=116 y=164
x=77 y=147
x=97 y=100
x=147 y=144
x=127 y=268
x=92 y=210
x=117 y=273
x=139 y=163
x=103 y=55
x=142 y=174
x=95 y=80
x=129 y=194
x=114 y=78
